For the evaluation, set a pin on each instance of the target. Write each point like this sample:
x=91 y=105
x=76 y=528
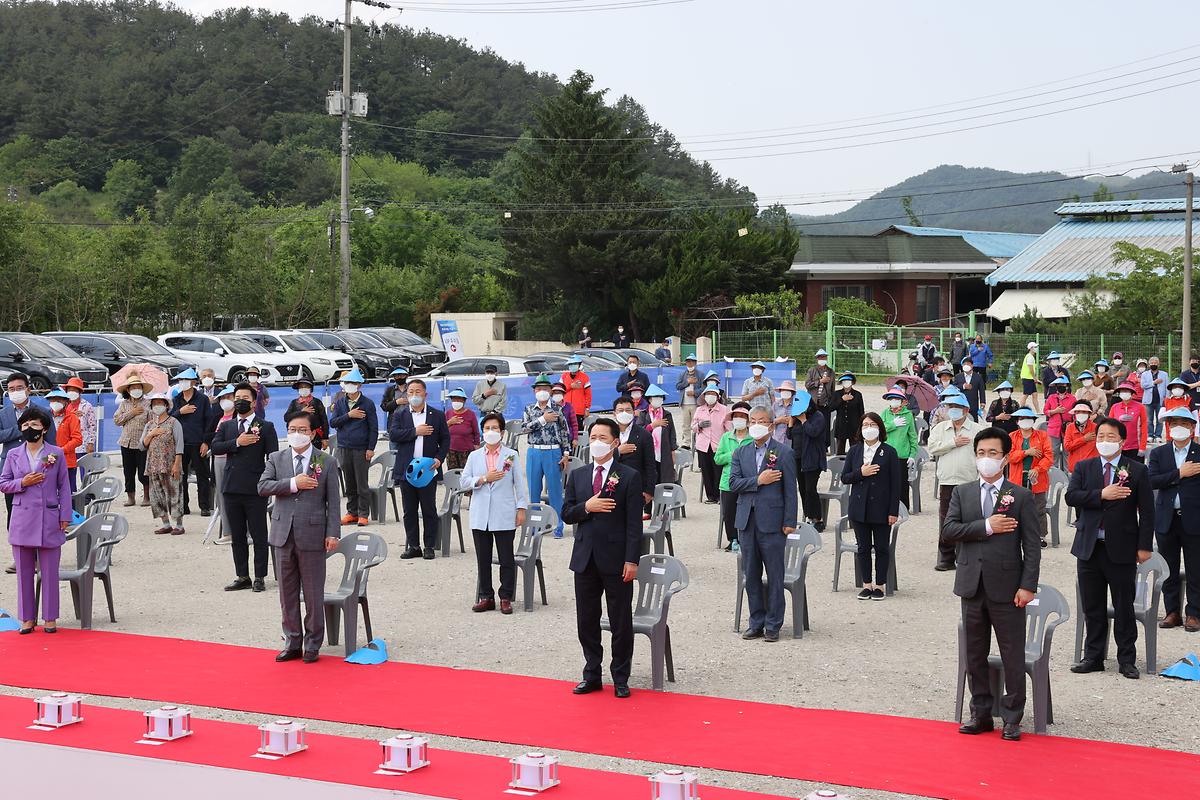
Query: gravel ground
x=895 y=657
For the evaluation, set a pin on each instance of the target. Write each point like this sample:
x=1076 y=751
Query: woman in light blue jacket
x=498 y=503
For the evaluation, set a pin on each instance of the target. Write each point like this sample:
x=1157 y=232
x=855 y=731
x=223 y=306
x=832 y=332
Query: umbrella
x=145 y=373
x=927 y=399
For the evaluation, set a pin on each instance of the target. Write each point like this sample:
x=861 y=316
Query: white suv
x=228 y=355
x=316 y=363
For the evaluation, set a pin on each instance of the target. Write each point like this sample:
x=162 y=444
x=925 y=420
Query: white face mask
x=895 y=403
x=757 y=372
x=1025 y=424
x=184 y=385
x=966 y=367
x=739 y=423
x=847 y=384
x=207 y=381
x=633 y=367
x=1087 y=381
x=252 y=380
x=585 y=331
x=492 y=437
x=350 y=388
x=599 y=449
x=870 y=434
x=227 y=406
x=304 y=391
x=636 y=397
x=1125 y=396
x=954 y=413
x=416 y=400
x=1116 y=362
x=57 y=407
x=72 y=396
x=1053 y=362
x=1082 y=418
x=299 y=441
x=159 y=410
x=457 y=405
x=491 y=378
x=624 y=418
x=542 y=396
x=656 y=402
x=1108 y=449
x=558 y=398
x=1176 y=391
x=785 y=396
x=1180 y=434
x=989 y=467
x=19 y=397
x=1005 y=395
x=821 y=362
x=710 y=399
x=1101 y=368
x=759 y=431
x=136 y=394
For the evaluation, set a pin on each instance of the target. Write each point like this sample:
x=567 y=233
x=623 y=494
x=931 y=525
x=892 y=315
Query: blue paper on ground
x=7 y=623
x=1187 y=669
x=374 y=653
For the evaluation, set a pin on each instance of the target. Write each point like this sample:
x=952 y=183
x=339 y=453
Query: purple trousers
x=46 y=560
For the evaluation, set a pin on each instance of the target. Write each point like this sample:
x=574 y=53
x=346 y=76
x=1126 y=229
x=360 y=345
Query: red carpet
x=336 y=759
x=899 y=754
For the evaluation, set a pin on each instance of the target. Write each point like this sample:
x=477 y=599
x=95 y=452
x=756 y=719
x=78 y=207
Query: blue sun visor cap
x=1025 y=413
x=847 y=377
x=655 y=391
x=420 y=472
x=758 y=364
x=821 y=352
x=58 y=393
x=459 y=393
x=396 y=371
x=188 y=374
x=353 y=376
x=1086 y=374
x=800 y=403
x=710 y=375
x=1053 y=354
x=227 y=390
x=1060 y=381
x=578 y=360
x=1004 y=385
x=1101 y=363
x=948 y=391
x=1179 y=413
x=955 y=399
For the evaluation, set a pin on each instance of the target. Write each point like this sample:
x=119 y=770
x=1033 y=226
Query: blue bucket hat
x=1178 y=382
x=353 y=376
x=758 y=364
x=420 y=472
x=948 y=392
x=578 y=360
x=1025 y=413
x=188 y=374
x=58 y=393
x=955 y=399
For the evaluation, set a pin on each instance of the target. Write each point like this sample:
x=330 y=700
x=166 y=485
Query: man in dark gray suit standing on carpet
x=994 y=524
x=304 y=526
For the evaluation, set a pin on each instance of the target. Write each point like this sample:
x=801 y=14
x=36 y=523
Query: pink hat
x=787 y=386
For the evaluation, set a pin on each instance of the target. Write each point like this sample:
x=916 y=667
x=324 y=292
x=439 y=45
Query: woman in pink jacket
x=709 y=424
x=36 y=476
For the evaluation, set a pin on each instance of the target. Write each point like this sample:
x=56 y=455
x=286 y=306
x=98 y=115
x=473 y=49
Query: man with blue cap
x=191 y=408
x=549 y=443
x=356 y=419
x=758 y=390
x=1175 y=474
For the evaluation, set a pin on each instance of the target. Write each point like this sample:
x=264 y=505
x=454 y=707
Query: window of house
x=860 y=291
x=929 y=303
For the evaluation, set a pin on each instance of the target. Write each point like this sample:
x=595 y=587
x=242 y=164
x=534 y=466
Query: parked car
x=374 y=360
x=317 y=362
x=115 y=350
x=556 y=361
x=48 y=362
x=228 y=355
x=620 y=355
x=425 y=355
x=471 y=368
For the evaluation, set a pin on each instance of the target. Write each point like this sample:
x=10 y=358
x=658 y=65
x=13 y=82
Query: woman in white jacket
x=499 y=500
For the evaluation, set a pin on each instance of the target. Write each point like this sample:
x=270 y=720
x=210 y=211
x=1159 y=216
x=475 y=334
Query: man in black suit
x=636 y=448
x=245 y=441
x=995 y=525
x=1114 y=533
x=604 y=501
x=419 y=431
x=1173 y=471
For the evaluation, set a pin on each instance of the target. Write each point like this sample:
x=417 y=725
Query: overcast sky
x=745 y=67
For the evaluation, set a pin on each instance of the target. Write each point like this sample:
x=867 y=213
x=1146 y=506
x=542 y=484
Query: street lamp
x=1188 y=181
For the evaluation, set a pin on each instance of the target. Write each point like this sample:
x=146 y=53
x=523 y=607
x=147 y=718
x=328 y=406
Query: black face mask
x=1195 y=365
x=1062 y=390
x=242 y=406
x=31 y=435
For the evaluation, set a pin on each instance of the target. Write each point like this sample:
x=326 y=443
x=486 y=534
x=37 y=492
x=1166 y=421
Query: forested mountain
x=951 y=196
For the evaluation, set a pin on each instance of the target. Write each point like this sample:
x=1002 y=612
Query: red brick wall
x=896 y=296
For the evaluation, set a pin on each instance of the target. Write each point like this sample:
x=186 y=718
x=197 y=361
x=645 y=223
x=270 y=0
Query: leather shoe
x=771 y=636
x=287 y=655
x=484 y=604
x=310 y=656
x=411 y=552
x=238 y=584
x=429 y=555
x=944 y=567
x=1085 y=666
x=1192 y=625
x=505 y=606
x=587 y=687
x=259 y=585
x=1171 y=620
x=621 y=691
x=1012 y=732
x=1130 y=671
x=753 y=633
x=977 y=725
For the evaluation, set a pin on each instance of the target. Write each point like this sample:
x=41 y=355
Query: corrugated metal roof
x=1076 y=249
x=1110 y=207
x=993 y=244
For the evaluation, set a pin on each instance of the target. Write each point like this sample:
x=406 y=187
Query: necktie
x=244 y=422
x=299 y=464
x=989 y=504
x=598 y=480
x=1107 y=473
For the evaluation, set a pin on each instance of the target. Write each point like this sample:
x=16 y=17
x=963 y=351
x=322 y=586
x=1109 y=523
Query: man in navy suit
x=1114 y=533
x=419 y=431
x=636 y=446
x=764 y=478
x=605 y=502
x=1173 y=471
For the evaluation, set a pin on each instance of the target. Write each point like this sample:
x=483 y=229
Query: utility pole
x=344 y=286
x=1189 y=182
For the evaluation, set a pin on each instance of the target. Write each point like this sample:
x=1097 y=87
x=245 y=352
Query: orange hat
x=76 y=383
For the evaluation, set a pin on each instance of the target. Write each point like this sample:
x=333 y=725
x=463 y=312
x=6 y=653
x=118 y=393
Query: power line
x=613 y=5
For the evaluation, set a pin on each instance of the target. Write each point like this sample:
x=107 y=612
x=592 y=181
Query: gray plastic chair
x=451 y=511
x=573 y=464
x=96 y=497
x=94 y=540
x=540 y=520
x=668 y=498
x=90 y=467
x=514 y=428
x=384 y=488
x=1146 y=599
x=659 y=578
x=1039 y=637
x=720 y=525
x=1054 y=501
x=800 y=546
x=684 y=458
x=916 y=467
x=360 y=551
x=846 y=543
x=837 y=490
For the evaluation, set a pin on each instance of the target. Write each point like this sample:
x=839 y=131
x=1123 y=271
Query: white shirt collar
x=998 y=483
x=606 y=466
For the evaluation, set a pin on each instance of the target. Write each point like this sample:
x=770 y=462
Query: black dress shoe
x=1130 y=671
x=310 y=656
x=24 y=631
x=771 y=636
x=1012 y=732
x=411 y=552
x=753 y=633
x=239 y=584
x=977 y=725
x=259 y=585
x=621 y=691
x=587 y=687
x=1085 y=666
x=940 y=567
x=287 y=655
x=204 y=512
x=429 y=555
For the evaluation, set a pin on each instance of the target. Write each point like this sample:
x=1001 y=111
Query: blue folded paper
x=7 y=623
x=374 y=653
x=800 y=403
x=1187 y=669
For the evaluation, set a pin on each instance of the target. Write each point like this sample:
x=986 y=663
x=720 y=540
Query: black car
x=116 y=350
x=371 y=358
x=48 y=362
x=425 y=356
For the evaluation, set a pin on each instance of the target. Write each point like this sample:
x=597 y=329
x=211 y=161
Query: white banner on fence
x=448 y=330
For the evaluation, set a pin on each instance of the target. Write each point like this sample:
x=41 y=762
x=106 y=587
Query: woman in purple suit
x=36 y=477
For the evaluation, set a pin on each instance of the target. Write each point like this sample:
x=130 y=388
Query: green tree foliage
x=128 y=188
x=785 y=306
x=1148 y=298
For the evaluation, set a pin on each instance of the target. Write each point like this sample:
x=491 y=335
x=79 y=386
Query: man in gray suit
x=996 y=529
x=304 y=526
x=764 y=478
